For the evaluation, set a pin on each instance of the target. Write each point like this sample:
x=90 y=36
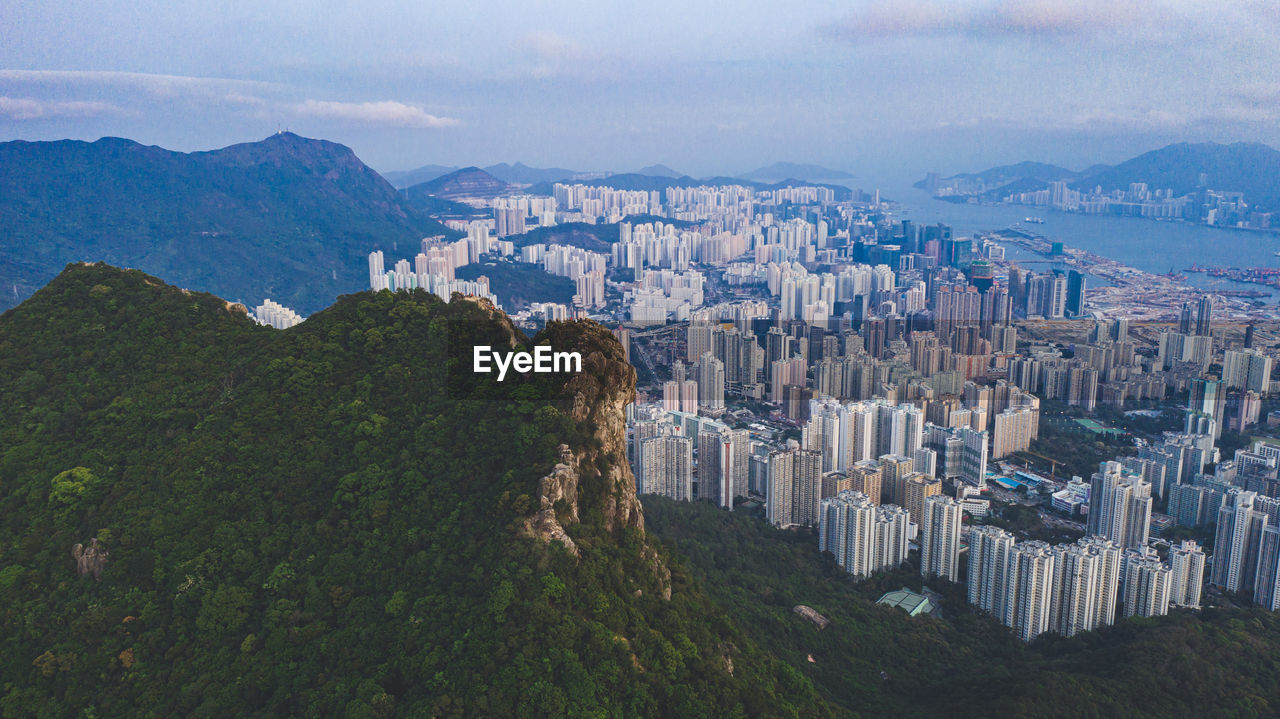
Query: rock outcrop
x=91 y=559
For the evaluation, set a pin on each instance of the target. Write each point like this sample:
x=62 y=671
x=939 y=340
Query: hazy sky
x=884 y=89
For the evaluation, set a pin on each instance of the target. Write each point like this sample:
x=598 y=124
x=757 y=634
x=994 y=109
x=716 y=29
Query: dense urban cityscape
x=883 y=384
x=789 y=360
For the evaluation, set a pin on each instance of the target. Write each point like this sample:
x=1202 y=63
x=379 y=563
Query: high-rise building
x=794 y=486
x=710 y=373
x=1236 y=545
x=863 y=537
x=1075 y=293
x=1030 y=597
x=1204 y=316
x=1187 y=577
x=1076 y=575
x=866 y=478
x=940 y=537
x=1110 y=558
x=1247 y=370
x=893 y=536
x=666 y=467
x=1146 y=585
x=1014 y=429
x=919 y=487
x=847 y=530
x=1119 y=506
x=989 y=550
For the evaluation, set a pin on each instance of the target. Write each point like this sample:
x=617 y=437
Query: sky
x=885 y=90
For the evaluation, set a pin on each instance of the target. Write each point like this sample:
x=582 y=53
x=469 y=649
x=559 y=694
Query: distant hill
x=518 y=283
x=785 y=170
x=439 y=208
x=659 y=171
x=289 y=218
x=1021 y=171
x=401 y=179
x=515 y=174
x=1248 y=167
x=520 y=174
x=596 y=238
x=469 y=182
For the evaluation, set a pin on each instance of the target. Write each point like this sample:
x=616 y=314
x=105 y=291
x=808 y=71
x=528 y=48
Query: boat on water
x=1040 y=221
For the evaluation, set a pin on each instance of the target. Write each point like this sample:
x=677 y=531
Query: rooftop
x=908 y=601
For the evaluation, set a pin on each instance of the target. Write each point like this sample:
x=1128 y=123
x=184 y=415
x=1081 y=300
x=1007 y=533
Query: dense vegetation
x=287 y=218
x=311 y=522
x=877 y=661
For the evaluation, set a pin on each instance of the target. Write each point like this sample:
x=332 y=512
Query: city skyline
x=404 y=87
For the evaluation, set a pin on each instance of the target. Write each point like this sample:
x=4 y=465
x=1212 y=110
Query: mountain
x=1248 y=167
x=469 y=182
x=787 y=170
x=516 y=284
x=400 y=179
x=652 y=183
x=206 y=517
x=520 y=174
x=517 y=174
x=659 y=171
x=288 y=218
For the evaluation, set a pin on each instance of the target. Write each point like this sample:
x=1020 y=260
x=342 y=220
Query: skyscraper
x=1030 y=597
x=794 y=486
x=1119 y=506
x=1075 y=293
x=1204 y=315
x=1185 y=582
x=940 y=538
x=1076 y=575
x=666 y=467
x=710 y=382
x=988 y=586
x=1146 y=586
x=847 y=530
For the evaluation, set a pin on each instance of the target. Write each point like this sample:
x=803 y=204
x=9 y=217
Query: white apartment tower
x=940 y=538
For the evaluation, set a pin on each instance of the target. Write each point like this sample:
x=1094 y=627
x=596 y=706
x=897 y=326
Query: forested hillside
x=876 y=661
x=200 y=516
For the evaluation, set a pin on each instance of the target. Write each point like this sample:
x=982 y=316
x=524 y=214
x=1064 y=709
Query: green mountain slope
x=339 y=519
x=287 y=218
x=877 y=661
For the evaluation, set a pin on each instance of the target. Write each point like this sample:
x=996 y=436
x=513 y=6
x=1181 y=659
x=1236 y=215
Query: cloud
x=548 y=45
x=21 y=108
x=994 y=18
x=154 y=83
x=385 y=114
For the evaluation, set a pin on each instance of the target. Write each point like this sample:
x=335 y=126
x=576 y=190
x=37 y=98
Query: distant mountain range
x=517 y=174
x=659 y=171
x=791 y=170
x=520 y=174
x=469 y=182
x=1248 y=167
x=288 y=218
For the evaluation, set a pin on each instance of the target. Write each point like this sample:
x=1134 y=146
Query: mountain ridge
x=286 y=217
x=1248 y=167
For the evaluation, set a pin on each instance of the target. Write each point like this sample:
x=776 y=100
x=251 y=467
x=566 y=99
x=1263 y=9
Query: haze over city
x=607 y=86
